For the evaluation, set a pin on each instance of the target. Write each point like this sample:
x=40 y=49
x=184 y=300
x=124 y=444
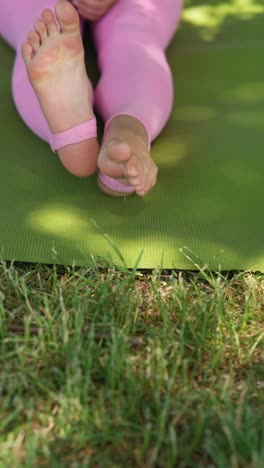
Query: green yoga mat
x=207 y=207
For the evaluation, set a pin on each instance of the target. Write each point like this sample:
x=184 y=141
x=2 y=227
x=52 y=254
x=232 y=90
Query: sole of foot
x=54 y=57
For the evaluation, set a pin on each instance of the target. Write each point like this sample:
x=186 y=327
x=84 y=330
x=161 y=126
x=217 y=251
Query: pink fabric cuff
x=81 y=132
x=114 y=184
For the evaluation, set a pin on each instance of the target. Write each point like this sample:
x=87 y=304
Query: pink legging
x=130 y=41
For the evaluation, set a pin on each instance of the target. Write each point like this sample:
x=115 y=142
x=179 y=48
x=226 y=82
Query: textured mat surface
x=207 y=207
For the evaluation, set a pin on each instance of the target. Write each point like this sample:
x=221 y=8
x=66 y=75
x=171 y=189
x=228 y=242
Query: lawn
x=109 y=368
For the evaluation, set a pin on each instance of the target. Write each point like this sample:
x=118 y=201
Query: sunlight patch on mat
x=175 y=151
x=249 y=119
x=241 y=174
x=210 y=18
x=247 y=93
x=195 y=113
x=58 y=220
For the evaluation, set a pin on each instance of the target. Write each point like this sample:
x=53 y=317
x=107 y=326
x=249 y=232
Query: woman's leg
x=17 y=19
x=135 y=76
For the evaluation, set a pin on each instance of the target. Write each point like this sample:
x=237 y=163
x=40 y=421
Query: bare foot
x=124 y=154
x=56 y=70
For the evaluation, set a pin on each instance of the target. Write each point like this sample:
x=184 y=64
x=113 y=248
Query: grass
x=105 y=368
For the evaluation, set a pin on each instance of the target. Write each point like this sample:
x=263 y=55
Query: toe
x=140 y=190
x=67 y=16
x=149 y=182
x=133 y=167
x=141 y=193
x=26 y=52
x=50 y=22
x=132 y=172
x=143 y=189
x=41 y=29
x=34 y=40
x=152 y=178
x=118 y=152
x=134 y=181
